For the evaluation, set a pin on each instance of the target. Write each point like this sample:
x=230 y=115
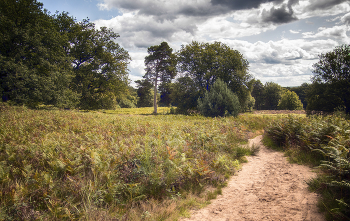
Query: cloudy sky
x=281 y=39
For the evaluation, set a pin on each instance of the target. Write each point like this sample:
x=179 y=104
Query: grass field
x=324 y=143
x=127 y=164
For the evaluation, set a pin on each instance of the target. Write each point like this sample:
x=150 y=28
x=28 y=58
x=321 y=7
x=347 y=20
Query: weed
x=71 y=165
x=323 y=142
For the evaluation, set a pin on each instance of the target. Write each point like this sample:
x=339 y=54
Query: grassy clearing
x=70 y=165
x=323 y=142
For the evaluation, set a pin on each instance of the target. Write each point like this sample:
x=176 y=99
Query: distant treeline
x=55 y=60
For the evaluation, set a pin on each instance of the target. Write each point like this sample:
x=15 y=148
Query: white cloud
x=287 y=61
x=346 y=19
x=294 y=32
x=336 y=32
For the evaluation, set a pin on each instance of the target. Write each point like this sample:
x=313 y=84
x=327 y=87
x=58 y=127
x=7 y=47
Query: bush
x=290 y=101
x=219 y=101
x=322 y=142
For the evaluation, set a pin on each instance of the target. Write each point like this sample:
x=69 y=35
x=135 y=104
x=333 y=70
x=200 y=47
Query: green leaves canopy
x=290 y=101
x=219 y=101
x=331 y=75
x=160 y=66
x=204 y=63
x=52 y=59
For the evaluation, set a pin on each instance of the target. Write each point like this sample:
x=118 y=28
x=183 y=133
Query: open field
x=58 y=165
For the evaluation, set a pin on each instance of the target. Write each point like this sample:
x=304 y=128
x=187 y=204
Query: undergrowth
x=323 y=142
x=70 y=165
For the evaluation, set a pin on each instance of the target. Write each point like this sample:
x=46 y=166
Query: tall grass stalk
x=70 y=165
x=323 y=142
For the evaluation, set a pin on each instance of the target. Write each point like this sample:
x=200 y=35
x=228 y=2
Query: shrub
x=325 y=142
x=219 y=101
x=290 y=101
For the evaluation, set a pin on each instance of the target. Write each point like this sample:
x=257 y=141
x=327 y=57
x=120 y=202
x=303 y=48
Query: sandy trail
x=267 y=188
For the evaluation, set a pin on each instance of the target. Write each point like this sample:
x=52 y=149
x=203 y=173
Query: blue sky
x=280 y=38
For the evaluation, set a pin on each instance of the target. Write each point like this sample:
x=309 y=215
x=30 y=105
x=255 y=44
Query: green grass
x=129 y=164
x=322 y=142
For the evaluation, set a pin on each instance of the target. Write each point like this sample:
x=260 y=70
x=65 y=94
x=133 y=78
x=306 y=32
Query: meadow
x=322 y=142
x=126 y=164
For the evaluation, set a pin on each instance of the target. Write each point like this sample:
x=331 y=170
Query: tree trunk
x=155 y=96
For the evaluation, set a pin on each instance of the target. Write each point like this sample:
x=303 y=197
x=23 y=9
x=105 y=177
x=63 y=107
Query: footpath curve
x=266 y=188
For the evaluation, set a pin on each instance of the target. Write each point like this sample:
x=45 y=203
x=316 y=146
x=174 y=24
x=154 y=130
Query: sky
x=281 y=39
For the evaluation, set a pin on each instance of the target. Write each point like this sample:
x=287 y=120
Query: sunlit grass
x=66 y=164
x=322 y=142
x=138 y=111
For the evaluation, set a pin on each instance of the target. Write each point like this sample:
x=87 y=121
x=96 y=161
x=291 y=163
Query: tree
x=144 y=92
x=100 y=65
x=52 y=59
x=204 y=63
x=165 y=89
x=185 y=95
x=290 y=101
x=258 y=93
x=129 y=99
x=34 y=68
x=219 y=101
x=322 y=97
x=160 y=67
x=273 y=93
x=333 y=73
x=301 y=91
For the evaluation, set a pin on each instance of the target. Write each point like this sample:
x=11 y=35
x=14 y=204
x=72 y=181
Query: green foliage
x=62 y=165
x=219 y=101
x=258 y=93
x=100 y=65
x=272 y=95
x=144 y=93
x=301 y=91
x=326 y=141
x=54 y=60
x=290 y=101
x=129 y=99
x=323 y=97
x=160 y=66
x=332 y=72
x=166 y=89
x=34 y=68
x=185 y=95
x=204 y=63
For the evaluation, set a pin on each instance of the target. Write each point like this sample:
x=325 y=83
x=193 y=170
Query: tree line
x=55 y=60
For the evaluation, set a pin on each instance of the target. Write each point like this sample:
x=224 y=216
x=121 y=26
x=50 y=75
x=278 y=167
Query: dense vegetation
x=322 y=142
x=64 y=165
x=57 y=164
x=55 y=60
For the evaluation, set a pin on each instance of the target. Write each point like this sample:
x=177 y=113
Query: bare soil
x=266 y=188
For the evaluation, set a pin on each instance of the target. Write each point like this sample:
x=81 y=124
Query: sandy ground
x=267 y=188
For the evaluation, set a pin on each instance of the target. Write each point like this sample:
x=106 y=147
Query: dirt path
x=267 y=188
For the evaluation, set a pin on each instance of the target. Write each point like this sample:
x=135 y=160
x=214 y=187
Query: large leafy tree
x=185 y=95
x=144 y=93
x=34 y=68
x=52 y=59
x=290 y=101
x=100 y=65
x=160 y=67
x=204 y=63
x=332 y=73
x=301 y=92
x=258 y=92
x=273 y=94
